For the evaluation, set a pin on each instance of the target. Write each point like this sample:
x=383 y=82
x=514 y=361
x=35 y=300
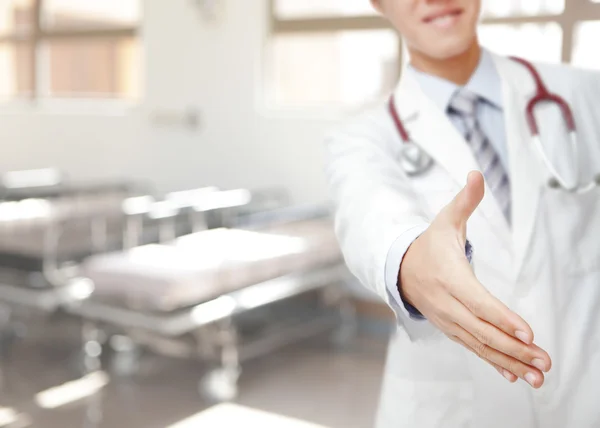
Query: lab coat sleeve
x=377 y=213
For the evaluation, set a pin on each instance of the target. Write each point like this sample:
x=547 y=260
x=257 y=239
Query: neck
x=457 y=69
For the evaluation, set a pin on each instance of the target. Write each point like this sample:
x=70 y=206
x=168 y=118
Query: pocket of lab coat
x=575 y=229
x=426 y=404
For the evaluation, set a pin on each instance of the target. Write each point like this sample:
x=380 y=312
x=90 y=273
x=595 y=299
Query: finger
x=499 y=340
x=466 y=201
x=531 y=375
x=511 y=377
x=482 y=304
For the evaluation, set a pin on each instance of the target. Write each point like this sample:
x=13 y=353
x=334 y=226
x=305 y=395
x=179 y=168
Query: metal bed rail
x=223 y=307
x=48 y=300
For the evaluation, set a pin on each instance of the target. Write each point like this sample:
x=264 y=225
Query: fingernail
x=530 y=378
x=523 y=337
x=508 y=375
x=539 y=364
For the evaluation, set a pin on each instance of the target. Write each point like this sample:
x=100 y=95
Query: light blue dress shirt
x=486 y=83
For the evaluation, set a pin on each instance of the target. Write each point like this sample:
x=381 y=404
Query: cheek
x=404 y=17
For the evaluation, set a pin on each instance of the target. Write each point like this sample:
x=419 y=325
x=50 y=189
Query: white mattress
x=204 y=265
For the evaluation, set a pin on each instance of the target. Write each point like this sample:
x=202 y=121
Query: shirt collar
x=484 y=82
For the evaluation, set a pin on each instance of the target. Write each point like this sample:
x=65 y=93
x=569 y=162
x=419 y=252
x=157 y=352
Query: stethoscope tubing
x=415 y=161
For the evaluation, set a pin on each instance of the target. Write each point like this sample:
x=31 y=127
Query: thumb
x=467 y=200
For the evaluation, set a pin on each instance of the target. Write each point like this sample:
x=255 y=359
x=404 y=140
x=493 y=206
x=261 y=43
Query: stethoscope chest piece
x=414 y=160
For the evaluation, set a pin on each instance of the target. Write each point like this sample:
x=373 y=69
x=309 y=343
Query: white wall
x=188 y=62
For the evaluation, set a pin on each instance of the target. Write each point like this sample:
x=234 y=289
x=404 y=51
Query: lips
x=444 y=18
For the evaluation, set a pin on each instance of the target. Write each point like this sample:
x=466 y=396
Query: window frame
x=38 y=35
x=575 y=11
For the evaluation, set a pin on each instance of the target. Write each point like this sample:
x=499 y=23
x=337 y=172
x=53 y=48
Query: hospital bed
x=41 y=239
x=194 y=295
x=44 y=240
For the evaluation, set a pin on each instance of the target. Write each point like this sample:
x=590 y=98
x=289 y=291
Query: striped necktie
x=464 y=104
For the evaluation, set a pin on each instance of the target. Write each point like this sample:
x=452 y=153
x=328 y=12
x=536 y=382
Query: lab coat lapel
x=431 y=129
x=518 y=88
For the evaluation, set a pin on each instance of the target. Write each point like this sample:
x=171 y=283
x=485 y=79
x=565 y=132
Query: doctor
x=494 y=276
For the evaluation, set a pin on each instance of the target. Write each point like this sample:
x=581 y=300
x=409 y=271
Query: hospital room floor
x=311 y=382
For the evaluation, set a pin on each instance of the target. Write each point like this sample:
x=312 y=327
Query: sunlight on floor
x=71 y=391
x=7 y=416
x=231 y=415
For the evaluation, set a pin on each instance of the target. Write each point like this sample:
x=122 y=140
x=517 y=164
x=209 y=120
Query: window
x=585 y=44
x=340 y=53
x=332 y=68
x=519 y=8
x=69 y=49
x=329 y=53
x=537 y=42
x=290 y=9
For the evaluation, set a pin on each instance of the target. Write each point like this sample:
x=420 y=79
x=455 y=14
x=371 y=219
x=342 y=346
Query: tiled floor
x=311 y=382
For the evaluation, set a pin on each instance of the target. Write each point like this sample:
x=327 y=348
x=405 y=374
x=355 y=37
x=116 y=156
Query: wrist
x=405 y=283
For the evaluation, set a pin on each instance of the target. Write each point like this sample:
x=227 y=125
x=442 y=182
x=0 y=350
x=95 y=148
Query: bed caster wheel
x=82 y=364
x=124 y=357
x=219 y=386
x=124 y=364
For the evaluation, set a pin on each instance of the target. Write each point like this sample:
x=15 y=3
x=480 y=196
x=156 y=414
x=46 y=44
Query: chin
x=447 y=48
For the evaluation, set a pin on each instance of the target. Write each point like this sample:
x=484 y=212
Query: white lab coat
x=547 y=268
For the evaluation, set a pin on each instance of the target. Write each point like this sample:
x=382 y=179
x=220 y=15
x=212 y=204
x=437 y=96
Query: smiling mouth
x=444 y=19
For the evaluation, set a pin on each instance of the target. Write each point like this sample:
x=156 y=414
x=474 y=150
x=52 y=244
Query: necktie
x=464 y=104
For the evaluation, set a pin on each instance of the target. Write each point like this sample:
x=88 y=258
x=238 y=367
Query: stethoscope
x=415 y=161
